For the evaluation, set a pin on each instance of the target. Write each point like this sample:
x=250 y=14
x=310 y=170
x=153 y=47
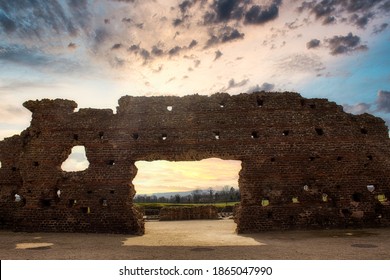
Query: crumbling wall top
x=60 y=105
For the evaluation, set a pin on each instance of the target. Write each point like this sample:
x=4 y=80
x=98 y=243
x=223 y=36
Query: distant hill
x=169 y=194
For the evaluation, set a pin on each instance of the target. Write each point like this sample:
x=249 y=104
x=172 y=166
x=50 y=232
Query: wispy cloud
x=233 y=84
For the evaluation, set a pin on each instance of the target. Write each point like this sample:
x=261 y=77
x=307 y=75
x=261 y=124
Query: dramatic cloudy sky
x=93 y=52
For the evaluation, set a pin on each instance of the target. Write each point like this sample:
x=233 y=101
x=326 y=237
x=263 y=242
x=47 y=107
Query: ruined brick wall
x=205 y=212
x=305 y=162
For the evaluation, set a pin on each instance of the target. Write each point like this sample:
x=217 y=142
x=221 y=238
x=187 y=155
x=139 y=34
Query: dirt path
x=198 y=240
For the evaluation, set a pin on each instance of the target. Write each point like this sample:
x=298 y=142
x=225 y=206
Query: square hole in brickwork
x=357 y=197
x=260 y=102
x=45 y=203
x=85 y=210
x=319 y=131
x=72 y=202
x=254 y=135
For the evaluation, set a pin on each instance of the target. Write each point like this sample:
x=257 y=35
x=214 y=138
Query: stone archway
x=303 y=161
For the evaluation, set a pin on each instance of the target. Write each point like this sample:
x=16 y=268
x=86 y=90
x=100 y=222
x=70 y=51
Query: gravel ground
x=199 y=240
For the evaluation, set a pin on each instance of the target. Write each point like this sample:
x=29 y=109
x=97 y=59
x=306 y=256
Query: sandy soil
x=211 y=239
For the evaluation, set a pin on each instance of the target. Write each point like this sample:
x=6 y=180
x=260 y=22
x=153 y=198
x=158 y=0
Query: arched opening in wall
x=77 y=160
x=187 y=190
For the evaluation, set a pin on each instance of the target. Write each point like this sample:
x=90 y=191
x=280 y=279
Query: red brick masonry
x=305 y=162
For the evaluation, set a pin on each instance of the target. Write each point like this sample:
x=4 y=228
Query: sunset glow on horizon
x=182 y=176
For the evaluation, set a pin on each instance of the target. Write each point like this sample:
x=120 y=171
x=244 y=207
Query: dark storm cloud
x=345 y=44
x=40 y=18
x=184 y=8
x=383 y=101
x=230 y=35
x=263 y=87
x=329 y=20
x=134 y=48
x=174 y=51
x=224 y=35
x=156 y=51
x=385 y=6
x=314 y=43
x=360 y=12
x=227 y=10
x=218 y=54
x=259 y=15
x=116 y=46
x=222 y=10
x=177 y=22
x=324 y=8
x=192 y=44
x=185 y=5
x=361 y=21
x=359 y=5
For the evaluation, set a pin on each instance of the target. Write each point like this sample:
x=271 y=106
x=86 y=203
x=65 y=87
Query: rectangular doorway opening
x=187 y=190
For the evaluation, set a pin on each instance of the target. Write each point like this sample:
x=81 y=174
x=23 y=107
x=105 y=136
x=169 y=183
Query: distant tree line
x=227 y=194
